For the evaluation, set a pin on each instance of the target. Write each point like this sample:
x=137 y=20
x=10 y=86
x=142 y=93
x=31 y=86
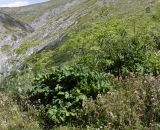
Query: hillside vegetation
x=96 y=68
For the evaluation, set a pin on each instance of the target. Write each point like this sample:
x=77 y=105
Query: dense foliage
x=62 y=91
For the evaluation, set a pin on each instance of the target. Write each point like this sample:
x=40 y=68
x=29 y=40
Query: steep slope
x=10 y=30
x=10 y=21
x=51 y=22
x=91 y=27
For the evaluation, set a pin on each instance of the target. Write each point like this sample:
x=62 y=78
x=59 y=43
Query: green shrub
x=128 y=58
x=120 y=58
x=62 y=91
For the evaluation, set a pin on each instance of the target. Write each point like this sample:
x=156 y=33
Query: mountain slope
x=10 y=21
x=52 y=21
x=10 y=31
x=90 y=64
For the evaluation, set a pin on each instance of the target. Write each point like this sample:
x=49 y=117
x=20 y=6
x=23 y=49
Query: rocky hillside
x=43 y=25
x=10 y=31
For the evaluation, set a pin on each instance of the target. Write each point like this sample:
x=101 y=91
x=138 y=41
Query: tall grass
x=13 y=117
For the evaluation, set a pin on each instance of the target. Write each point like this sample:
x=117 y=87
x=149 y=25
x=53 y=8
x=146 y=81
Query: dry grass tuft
x=134 y=106
x=12 y=118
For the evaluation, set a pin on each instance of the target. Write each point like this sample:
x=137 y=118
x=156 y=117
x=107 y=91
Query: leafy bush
x=119 y=57
x=116 y=46
x=61 y=92
x=128 y=58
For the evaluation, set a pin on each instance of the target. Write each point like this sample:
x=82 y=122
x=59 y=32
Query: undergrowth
x=105 y=76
